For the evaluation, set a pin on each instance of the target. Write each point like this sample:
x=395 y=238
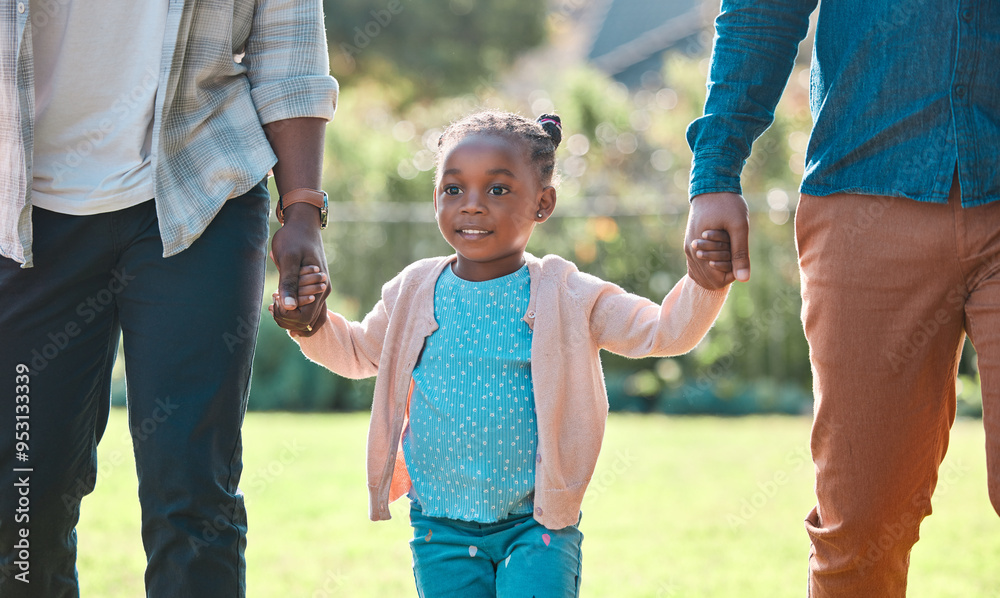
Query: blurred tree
x=430 y=48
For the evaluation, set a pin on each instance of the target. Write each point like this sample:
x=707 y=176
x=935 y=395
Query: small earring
x=539 y=214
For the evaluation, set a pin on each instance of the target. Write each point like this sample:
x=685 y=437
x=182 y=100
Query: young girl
x=490 y=405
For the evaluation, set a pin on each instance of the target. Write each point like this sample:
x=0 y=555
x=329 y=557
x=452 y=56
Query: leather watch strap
x=303 y=195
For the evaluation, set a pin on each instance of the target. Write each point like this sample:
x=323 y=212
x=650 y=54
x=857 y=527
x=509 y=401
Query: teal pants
x=514 y=558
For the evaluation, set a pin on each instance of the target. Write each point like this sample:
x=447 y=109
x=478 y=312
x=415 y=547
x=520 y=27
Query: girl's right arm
x=351 y=349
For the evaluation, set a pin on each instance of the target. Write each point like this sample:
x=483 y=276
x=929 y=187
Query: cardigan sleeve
x=352 y=349
x=634 y=326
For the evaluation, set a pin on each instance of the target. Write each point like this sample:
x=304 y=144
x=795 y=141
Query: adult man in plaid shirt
x=135 y=141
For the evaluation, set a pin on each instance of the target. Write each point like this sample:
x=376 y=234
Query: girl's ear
x=546 y=204
x=435 y=192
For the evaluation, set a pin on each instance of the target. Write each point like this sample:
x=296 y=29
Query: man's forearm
x=754 y=52
x=298 y=144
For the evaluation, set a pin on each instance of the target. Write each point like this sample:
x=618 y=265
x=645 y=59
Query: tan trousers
x=890 y=287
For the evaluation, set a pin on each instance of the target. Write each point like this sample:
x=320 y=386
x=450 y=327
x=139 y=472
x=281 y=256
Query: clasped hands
x=716 y=242
x=299 y=304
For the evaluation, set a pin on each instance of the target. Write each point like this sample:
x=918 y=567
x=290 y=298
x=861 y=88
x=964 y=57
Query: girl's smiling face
x=487 y=202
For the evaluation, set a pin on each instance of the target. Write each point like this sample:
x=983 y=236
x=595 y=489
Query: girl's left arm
x=634 y=326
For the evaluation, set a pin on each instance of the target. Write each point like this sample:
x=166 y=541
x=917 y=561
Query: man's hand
x=718 y=212
x=295 y=246
x=312 y=284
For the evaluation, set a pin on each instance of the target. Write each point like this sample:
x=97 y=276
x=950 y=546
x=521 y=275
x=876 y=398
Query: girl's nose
x=473 y=203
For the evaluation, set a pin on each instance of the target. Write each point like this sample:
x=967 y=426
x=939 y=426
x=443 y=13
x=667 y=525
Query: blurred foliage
x=429 y=48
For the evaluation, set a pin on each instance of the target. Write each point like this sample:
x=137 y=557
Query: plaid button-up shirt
x=208 y=137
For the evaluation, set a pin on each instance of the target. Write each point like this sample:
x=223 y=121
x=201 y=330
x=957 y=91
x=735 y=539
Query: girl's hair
x=540 y=137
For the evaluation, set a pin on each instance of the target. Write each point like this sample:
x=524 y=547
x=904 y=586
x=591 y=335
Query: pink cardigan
x=572 y=315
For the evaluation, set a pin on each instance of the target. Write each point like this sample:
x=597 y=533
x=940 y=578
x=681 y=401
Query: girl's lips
x=472 y=234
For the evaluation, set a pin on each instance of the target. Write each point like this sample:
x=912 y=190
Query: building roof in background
x=632 y=35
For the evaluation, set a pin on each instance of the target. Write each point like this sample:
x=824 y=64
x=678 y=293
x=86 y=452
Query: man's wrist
x=296 y=203
x=302 y=214
x=712 y=195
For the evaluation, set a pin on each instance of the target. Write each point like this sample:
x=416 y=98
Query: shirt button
x=960 y=91
x=538 y=511
x=20 y=7
x=967 y=15
x=531 y=313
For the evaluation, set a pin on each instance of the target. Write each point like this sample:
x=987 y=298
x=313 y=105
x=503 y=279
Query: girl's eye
x=498 y=190
x=452 y=190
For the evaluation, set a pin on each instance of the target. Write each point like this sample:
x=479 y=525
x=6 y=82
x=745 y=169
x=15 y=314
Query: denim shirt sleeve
x=755 y=47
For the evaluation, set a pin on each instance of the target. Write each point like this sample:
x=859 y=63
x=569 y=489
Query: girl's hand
x=312 y=283
x=713 y=247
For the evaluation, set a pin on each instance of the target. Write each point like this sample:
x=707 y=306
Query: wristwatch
x=309 y=196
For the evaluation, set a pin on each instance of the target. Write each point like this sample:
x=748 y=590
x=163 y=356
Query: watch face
x=324 y=212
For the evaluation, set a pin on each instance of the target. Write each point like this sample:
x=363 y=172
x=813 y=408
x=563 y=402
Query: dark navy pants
x=188 y=324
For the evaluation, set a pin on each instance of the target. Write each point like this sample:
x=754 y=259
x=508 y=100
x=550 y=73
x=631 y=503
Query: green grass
x=679 y=507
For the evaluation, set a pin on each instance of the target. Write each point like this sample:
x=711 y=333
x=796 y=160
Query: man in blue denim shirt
x=897 y=232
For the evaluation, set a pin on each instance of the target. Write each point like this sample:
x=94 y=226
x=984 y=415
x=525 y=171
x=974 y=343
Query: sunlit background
x=687 y=506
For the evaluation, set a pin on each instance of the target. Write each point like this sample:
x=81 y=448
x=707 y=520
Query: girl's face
x=487 y=202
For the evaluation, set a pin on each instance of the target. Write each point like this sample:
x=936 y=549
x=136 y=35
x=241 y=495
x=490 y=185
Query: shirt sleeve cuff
x=301 y=97
x=715 y=172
